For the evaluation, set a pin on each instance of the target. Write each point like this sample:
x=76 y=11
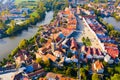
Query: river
x=114 y=22
x=9 y=43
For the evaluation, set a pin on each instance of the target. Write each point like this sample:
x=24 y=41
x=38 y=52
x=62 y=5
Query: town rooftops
x=112 y=49
x=90 y=16
x=92 y=51
x=53 y=76
x=98 y=66
x=73 y=44
x=38 y=72
x=51 y=57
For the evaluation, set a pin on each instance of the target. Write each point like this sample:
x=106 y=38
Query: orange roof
x=113 y=52
x=98 y=65
x=112 y=49
x=67 y=11
x=66 y=31
x=43 y=49
x=50 y=56
x=42 y=79
x=110 y=44
x=25 y=78
x=57 y=76
x=73 y=44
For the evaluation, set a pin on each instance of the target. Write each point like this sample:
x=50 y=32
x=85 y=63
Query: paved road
x=79 y=27
x=79 y=23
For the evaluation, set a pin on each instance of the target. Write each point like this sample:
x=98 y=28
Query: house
x=118 y=6
x=54 y=76
x=98 y=66
x=21 y=57
x=37 y=73
x=58 y=53
x=112 y=50
x=67 y=60
x=36 y=66
x=42 y=50
x=74 y=58
x=20 y=76
x=108 y=59
x=74 y=45
x=58 y=36
x=51 y=57
x=88 y=53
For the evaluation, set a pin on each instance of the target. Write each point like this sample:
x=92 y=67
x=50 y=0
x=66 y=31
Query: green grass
x=26 y=3
x=35 y=14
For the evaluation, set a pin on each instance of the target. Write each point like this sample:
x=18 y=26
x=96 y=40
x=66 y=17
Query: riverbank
x=9 y=43
x=14 y=28
x=113 y=21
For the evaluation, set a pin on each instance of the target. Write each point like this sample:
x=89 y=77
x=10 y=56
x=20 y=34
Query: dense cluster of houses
x=61 y=47
x=103 y=10
x=109 y=44
x=57 y=47
x=6 y=4
x=9 y=11
x=16 y=14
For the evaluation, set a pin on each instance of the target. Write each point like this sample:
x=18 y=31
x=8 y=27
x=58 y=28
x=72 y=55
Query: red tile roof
x=36 y=73
x=112 y=52
x=112 y=49
x=50 y=56
x=73 y=44
x=98 y=65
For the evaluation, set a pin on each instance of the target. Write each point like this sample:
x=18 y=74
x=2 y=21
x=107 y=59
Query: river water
x=9 y=43
x=114 y=22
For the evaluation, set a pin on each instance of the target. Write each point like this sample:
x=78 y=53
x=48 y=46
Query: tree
x=69 y=54
x=47 y=63
x=69 y=71
x=85 y=6
x=9 y=31
x=23 y=44
x=83 y=39
x=41 y=6
x=42 y=40
x=95 y=76
x=110 y=70
x=24 y=14
x=39 y=60
x=55 y=69
x=2 y=25
x=96 y=1
x=117 y=69
x=115 y=77
x=110 y=27
x=113 y=33
x=82 y=74
x=14 y=51
x=12 y=23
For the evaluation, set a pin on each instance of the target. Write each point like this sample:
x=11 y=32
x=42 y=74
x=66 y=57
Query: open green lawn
x=35 y=14
x=19 y=1
x=26 y=3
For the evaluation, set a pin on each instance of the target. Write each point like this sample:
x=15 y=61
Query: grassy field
x=26 y=3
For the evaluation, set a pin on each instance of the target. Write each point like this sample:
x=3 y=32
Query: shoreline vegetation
x=13 y=28
x=116 y=16
x=115 y=34
x=31 y=45
x=38 y=15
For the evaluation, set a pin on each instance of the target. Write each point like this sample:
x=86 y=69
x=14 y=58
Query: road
x=79 y=27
